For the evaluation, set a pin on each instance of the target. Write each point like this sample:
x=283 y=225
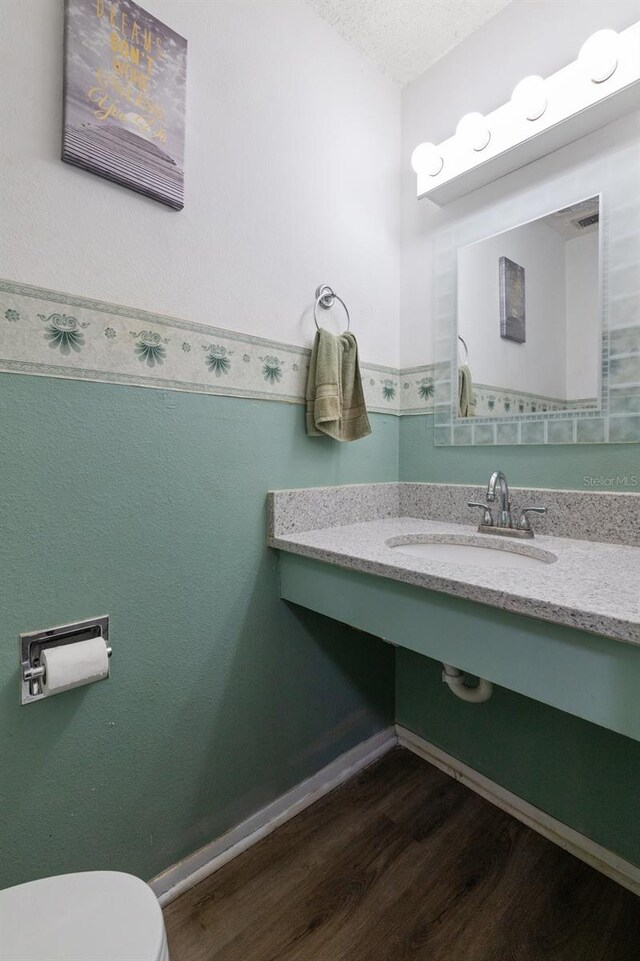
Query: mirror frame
x=616 y=178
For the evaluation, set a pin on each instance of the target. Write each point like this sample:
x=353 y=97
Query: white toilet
x=91 y=916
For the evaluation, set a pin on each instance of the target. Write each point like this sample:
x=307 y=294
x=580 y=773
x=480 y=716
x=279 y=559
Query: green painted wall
x=148 y=505
x=585 y=775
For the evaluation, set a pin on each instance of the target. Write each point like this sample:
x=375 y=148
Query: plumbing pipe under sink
x=455 y=679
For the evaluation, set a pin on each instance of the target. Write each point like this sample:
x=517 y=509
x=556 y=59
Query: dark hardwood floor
x=400 y=863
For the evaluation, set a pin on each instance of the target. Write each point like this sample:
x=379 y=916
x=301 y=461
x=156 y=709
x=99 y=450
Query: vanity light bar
x=542 y=115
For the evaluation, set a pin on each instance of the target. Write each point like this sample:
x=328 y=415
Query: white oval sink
x=451 y=550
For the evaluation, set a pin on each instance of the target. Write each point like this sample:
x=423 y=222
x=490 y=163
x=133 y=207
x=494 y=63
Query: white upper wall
x=527 y=37
x=292 y=168
x=292 y=178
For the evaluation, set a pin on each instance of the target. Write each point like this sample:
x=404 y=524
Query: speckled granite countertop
x=591 y=586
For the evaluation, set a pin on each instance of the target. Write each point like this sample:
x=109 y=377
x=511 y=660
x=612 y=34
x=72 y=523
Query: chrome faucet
x=505 y=519
x=504 y=522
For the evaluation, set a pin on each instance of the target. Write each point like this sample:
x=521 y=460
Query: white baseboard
x=199 y=865
x=609 y=864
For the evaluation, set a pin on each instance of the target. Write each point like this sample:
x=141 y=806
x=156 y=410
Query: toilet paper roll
x=70 y=665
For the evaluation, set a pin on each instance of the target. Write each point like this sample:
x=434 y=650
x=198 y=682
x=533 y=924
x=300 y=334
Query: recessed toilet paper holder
x=32 y=672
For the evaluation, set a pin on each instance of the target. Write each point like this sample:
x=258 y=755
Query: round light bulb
x=473 y=131
x=598 y=57
x=529 y=98
x=426 y=157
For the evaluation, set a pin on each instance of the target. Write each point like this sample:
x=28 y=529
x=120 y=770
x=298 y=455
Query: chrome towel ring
x=325 y=298
x=466 y=349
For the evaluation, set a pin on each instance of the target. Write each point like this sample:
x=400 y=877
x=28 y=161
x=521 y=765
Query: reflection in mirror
x=529 y=320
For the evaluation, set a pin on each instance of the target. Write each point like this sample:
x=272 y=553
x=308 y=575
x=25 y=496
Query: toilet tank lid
x=89 y=916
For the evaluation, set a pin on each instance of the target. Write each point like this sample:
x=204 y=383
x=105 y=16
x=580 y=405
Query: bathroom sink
x=467 y=550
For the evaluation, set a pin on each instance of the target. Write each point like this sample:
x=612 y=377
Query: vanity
x=555 y=617
x=536 y=341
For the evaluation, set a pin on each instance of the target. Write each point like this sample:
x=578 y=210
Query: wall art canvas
x=512 y=312
x=124 y=97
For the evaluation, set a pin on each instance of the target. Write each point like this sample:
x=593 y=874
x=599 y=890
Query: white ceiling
x=405 y=37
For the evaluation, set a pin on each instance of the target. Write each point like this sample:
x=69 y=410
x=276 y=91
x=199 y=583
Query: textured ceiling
x=405 y=37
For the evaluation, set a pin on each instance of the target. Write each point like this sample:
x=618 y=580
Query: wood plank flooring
x=401 y=863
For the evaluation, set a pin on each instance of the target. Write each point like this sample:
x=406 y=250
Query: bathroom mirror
x=537 y=313
x=529 y=316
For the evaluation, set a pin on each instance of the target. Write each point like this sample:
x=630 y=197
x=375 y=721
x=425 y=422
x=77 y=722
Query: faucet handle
x=487 y=517
x=523 y=523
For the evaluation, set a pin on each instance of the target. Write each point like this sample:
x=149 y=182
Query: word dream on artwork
x=124 y=98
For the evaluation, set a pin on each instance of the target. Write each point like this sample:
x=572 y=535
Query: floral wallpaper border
x=48 y=333
x=492 y=401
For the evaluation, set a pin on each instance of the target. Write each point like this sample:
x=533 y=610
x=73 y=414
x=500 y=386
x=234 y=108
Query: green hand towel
x=466 y=400
x=335 y=400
